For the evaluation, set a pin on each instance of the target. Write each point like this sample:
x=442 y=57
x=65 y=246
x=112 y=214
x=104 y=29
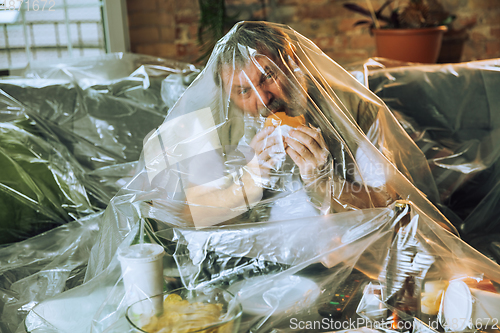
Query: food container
x=210 y=310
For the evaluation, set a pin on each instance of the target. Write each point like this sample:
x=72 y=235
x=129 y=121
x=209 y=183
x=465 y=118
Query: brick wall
x=164 y=28
x=167 y=28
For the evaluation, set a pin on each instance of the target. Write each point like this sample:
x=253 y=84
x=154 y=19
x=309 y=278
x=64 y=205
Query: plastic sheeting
x=452 y=112
x=283 y=218
x=71 y=135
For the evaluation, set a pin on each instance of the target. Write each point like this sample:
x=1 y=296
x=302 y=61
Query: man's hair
x=263 y=37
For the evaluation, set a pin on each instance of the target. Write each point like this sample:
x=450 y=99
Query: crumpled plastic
x=280 y=242
x=72 y=133
x=451 y=111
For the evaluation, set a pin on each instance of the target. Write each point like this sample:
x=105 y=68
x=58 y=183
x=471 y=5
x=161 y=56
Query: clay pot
x=410 y=45
x=452 y=46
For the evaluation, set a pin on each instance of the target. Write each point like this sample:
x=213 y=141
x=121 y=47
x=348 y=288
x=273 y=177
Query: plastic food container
x=212 y=310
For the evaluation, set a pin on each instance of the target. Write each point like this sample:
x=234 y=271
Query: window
x=38 y=30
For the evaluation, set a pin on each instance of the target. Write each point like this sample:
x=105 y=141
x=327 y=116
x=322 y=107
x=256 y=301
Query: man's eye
x=244 y=91
x=269 y=75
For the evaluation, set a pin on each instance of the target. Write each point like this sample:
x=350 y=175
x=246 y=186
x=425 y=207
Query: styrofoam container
x=465 y=307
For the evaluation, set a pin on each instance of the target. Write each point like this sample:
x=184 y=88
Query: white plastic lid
x=141 y=252
x=457 y=306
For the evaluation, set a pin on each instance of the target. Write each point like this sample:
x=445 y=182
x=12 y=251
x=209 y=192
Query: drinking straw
x=141 y=233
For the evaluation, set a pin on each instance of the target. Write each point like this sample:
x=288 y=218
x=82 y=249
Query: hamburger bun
x=281 y=118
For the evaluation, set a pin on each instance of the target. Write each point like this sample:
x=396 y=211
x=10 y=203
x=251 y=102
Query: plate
x=273 y=295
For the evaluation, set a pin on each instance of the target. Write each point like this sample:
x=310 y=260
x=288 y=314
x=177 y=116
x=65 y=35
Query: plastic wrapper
x=289 y=215
x=451 y=111
x=71 y=135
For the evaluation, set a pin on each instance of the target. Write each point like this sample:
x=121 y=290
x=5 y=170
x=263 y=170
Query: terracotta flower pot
x=412 y=45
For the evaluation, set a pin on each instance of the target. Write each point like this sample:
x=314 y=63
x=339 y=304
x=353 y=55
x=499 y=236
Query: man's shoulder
x=360 y=108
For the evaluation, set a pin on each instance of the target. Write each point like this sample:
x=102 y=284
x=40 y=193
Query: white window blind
x=47 y=30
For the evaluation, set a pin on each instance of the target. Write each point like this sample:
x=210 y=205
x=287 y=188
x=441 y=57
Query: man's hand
x=307 y=148
x=266 y=149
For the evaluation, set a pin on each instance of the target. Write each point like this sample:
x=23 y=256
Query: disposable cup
x=465 y=307
x=142 y=271
x=486 y=308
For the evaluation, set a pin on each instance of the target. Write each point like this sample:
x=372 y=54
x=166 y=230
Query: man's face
x=261 y=88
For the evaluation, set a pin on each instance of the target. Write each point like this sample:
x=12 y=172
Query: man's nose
x=265 y=95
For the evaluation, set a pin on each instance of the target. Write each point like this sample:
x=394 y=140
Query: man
x=259 y=74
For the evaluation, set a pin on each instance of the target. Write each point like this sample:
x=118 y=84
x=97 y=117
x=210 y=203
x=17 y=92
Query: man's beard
x=292 y=100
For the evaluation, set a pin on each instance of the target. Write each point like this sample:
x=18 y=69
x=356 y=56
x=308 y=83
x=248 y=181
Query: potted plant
x=412 y=32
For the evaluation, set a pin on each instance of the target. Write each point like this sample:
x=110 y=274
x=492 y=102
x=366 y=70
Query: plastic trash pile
x=276 y=175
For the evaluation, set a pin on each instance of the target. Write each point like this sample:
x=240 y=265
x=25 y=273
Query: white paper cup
x=465 y=307
x=142 y=271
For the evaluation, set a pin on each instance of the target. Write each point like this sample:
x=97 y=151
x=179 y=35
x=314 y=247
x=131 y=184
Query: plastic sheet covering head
x=277 y=176
x=273 y=129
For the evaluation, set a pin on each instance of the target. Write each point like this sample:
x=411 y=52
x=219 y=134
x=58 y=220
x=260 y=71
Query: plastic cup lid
x=457 y=306
x=141 y=252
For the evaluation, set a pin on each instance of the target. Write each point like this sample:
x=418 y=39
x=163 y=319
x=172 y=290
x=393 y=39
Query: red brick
x=326 y=22
x=188 y=52
x=493 y=49
x=288 y=2
x=324 y=43
x=167 y=34
x=182 y=49
x=167 y=19
x=181 y=34
x=184 y=32
x=477 y=37
x=303 y=27
x=242 y=2
x=327 y=27
x=469 y=53
x=191 y=5
x=315 y=28
x=362 y=42
x=260 y=14
x=144 y=19
x=347 y=57
x=316 y=11
x=193 y=31
x=467 y=22
x=167 y=5
x=482 y=4
x=319 y=2
x=341 y=42
x=144 y=35
x=141 y=5
x=495 y=32
x=165 y=50
x=347 y=24
x=186 y=16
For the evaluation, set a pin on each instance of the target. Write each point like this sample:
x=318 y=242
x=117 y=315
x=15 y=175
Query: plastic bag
x=285 y=234
x=451 y=112
x=71 y=136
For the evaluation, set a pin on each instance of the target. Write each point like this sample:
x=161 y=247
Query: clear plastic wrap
x=452 y=113
x=287 y=214
x=71 y=135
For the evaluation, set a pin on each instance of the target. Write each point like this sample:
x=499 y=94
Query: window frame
x=114 y=28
